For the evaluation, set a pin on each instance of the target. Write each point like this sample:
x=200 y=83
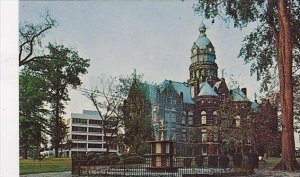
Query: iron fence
x=182 y=167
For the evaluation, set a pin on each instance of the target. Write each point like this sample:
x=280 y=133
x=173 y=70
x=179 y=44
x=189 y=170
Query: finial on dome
x=202 y=27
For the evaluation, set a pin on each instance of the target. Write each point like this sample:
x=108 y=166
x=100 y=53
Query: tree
x=30 y=39
x=32 y=113
x=235 y=123
x=279 y=29
x=108 y=102
x=60 y=71
x=137 y=114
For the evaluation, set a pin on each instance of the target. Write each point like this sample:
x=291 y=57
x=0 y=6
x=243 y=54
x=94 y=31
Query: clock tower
x=203 y=66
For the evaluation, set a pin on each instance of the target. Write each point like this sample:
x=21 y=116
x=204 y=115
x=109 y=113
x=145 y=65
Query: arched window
x=203 y=117
x=215 y=117
x=204 y=135
x=237 y=121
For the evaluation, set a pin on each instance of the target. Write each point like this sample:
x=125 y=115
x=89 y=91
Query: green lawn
x=271 y=162
x=28 y=166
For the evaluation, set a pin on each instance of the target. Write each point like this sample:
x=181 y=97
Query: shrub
x=126 y=155
x=75 y=156
x=237 y=160
x=113 y=158
x=103 y=160
x=199 y=160
x=134 y=160
x=212 y=161
x=90 y=155
x=252 y=160
x=224 y=161
x=188 y=162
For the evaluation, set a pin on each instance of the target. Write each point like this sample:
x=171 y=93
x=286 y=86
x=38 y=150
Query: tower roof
x=202 y=26
x=203 y=42
x=206 y=90
x=238 y=95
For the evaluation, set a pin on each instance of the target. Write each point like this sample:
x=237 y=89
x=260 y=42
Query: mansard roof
x=238 y=95
x=180 y=87
x=206 y=90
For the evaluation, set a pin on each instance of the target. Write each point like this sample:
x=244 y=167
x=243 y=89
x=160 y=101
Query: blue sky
x=155 y=37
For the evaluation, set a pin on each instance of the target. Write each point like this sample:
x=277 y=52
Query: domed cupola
x=203 y=58
x=203 y=42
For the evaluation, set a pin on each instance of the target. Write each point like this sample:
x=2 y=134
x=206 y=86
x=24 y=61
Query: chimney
x=244 y=90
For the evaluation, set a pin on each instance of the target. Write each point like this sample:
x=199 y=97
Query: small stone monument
x=162 y=152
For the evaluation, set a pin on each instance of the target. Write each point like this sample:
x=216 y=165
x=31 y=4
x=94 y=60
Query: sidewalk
x=266 y=172
x=56 y=174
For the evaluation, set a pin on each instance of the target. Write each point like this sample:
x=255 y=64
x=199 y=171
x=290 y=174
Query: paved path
x=269 y=173
x=57 y=174
x=258 y=173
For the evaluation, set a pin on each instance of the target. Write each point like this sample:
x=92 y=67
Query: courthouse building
x=191 y=111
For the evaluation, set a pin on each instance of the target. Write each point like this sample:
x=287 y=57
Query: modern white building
x=86 y=133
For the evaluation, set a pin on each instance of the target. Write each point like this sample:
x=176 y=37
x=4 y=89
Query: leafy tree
x=32 y=113
x=235 y=123
x=279 y=30
x=108 y=102
x=60 y=71
x=137 y=114
x=30 y=39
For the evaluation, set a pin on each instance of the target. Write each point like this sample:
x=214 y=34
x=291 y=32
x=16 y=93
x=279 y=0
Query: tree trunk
x=56 y=141
x=285 y=60
x=25 y=153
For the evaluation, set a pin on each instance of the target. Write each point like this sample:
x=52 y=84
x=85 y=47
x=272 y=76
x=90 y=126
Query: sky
x=153 y=37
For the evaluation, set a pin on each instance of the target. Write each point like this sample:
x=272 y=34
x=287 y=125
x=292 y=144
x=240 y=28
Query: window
x=78 y=137
x=215 y=114
x=95 y=138
x=237 y=121
x=204 y=135
x=204 y=150
x=183 y=120
x=95 y=145
x=78 y=145
x=223 y=97
x=203 y=117
x=173 y=117
x=215 y=138
x=190 y=120
x=97 y=130
x=79 y=121
x=79 y=129
x=183 y=137
x=95 y=122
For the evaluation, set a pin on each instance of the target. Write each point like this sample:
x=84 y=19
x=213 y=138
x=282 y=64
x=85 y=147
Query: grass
x=271 y=162
x=30 y=166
